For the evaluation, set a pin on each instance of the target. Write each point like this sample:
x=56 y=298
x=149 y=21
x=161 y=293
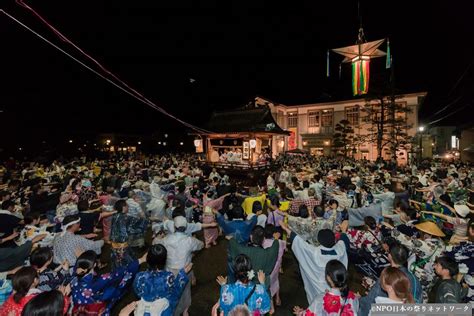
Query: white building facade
x=312 y=126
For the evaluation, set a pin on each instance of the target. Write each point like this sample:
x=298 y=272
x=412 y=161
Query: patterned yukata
x=463 y=254
x=96 y=294
x=154 y=285
x=65 y=244
x=236 y=293
x=121 y=255
x=137 y=224
x=50 y=280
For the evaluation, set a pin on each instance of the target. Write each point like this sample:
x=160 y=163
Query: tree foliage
x=344 y=137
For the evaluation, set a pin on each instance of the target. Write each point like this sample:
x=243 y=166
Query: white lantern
x=197 y=142
x=253 y=143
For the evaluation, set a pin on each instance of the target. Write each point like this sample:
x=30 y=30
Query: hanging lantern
x=253 y=143
x=360 y=75
x=359 y=55
x=197 y=142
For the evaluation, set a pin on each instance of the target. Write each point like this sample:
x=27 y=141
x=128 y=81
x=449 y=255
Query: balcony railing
x=327 y=130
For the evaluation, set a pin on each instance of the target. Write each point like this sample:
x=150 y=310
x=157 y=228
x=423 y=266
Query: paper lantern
x=197 y=142
x=253 y=143
x=359 y=55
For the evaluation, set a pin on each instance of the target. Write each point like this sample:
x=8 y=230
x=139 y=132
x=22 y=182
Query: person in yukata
x=121 y=254
x=271 y=235
x=244 y=291
x=313 y=259
x=95 y=294
x=159 y=289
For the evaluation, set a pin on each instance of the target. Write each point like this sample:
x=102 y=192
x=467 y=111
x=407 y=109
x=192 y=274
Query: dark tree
x=344 y=136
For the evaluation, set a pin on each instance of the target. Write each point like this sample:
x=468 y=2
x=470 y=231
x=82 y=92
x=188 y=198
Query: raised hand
x=221 y=280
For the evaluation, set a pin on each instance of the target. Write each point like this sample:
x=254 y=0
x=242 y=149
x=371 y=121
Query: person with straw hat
x=460 y=223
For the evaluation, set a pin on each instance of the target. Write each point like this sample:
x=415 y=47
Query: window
x=326 y=118
x=326 y=121
x=352 y=115
x=313 y=119
x=292 y=119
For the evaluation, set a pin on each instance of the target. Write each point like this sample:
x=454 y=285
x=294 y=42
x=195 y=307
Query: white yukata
x=312 y=260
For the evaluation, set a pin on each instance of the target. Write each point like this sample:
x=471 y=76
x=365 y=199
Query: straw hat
x=430 y=228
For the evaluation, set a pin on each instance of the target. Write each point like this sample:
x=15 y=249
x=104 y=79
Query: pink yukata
x=274 y=276
x=211 y=234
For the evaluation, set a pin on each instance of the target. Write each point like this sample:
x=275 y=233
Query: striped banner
x=360 y=76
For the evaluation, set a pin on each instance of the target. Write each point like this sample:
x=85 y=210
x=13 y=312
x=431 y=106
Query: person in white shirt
x=313 y=259
x=387 y=198
x=423 y=178
x=270 y=182
x=214 y=174
x=284 y=176
x=180 y=248
x=318 y=186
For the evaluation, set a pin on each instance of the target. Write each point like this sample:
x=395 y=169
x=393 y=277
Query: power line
x=142 y=98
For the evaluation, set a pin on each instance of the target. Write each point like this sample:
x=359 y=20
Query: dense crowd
x=408 y=231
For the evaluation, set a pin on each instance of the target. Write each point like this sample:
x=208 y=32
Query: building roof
x=249 y=118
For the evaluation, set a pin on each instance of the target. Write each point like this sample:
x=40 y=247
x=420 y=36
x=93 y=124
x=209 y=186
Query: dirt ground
x=210 y=263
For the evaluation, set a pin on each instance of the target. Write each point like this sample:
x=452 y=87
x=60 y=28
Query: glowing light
x=197 y=142
x=181 y=143
x=164 y=143
x=70 y=141
x=421 y=128
x=159 y=143
x=326 y=143
x=456 y=154
x=139 y=143
x=107 y=141
x=305 y=143
x=281 y=143
x=253 y=143
x=166 y=135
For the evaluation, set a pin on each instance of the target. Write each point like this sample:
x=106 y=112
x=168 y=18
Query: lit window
x=313 y=119
x=352 y=115
x=293 y=119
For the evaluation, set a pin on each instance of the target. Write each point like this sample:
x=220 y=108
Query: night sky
x=233 y=49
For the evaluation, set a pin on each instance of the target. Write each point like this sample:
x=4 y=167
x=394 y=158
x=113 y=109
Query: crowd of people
x=406 y=230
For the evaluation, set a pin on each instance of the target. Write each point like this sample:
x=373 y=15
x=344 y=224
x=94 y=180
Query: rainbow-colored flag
x=360 y=76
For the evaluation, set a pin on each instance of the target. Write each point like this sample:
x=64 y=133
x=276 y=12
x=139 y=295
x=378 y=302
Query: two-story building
x=312 y=126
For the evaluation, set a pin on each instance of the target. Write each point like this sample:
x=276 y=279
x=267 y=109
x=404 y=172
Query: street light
x=421 y=129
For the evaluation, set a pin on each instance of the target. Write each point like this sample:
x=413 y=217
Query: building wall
x=466 y=145
x=442 y=138
x=319 y=139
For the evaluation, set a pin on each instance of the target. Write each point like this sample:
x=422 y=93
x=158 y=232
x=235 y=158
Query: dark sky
x=233 y=49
